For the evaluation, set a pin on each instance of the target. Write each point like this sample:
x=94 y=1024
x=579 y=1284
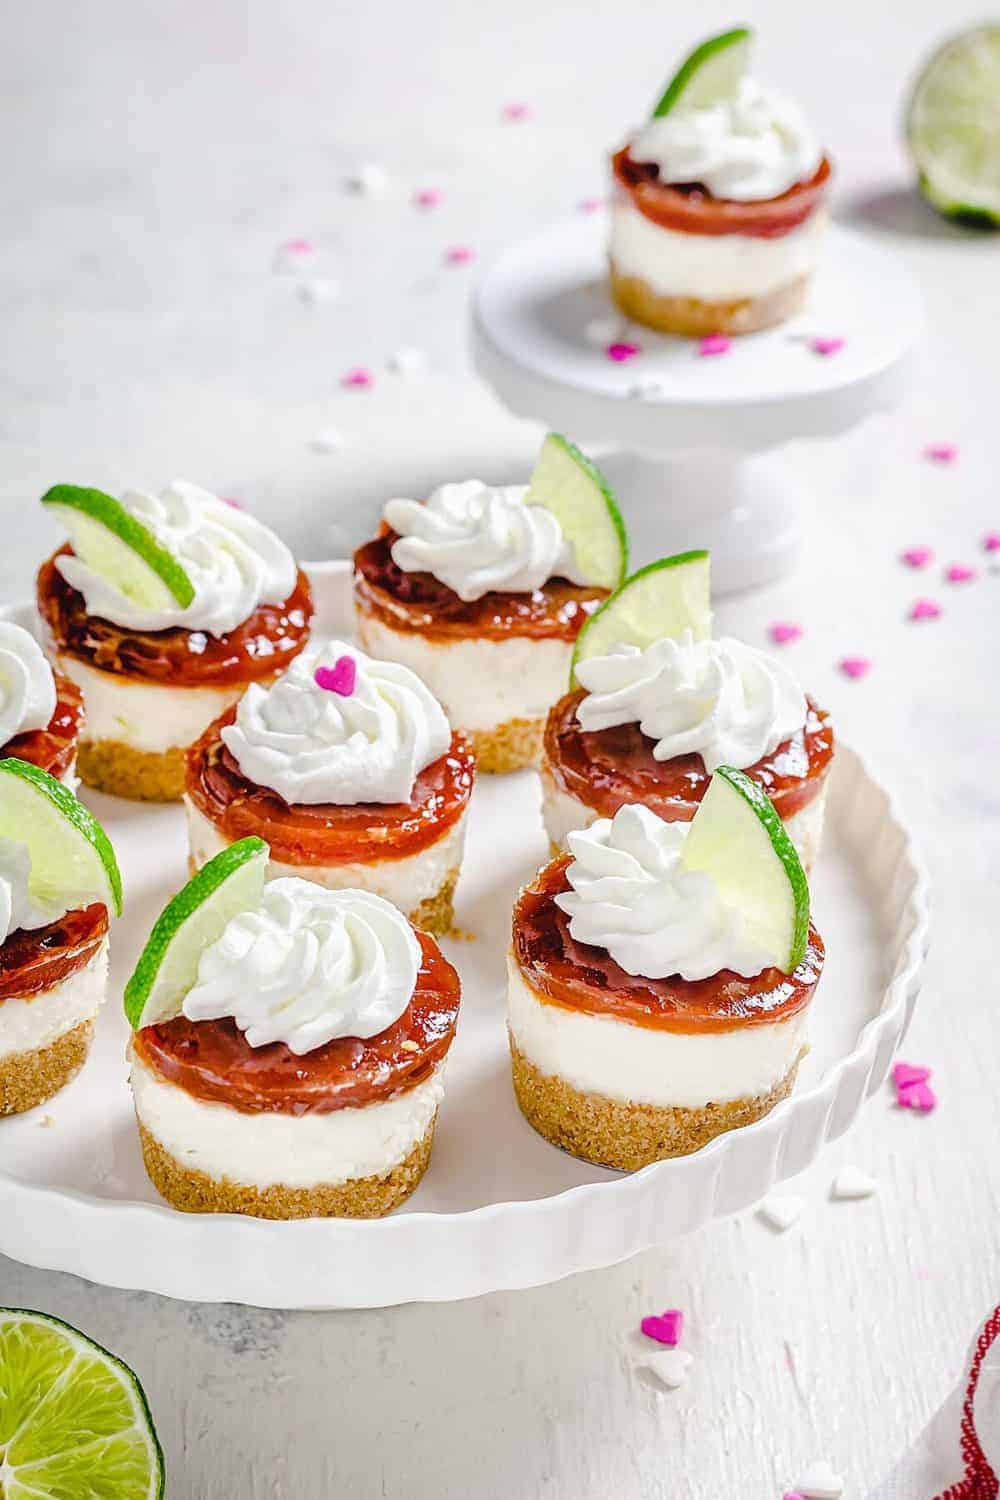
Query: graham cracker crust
x=627 y=1136
x=195 y=1192
x=29 y=1078
x=692 y=318
x=515 y=745
x=141 y=775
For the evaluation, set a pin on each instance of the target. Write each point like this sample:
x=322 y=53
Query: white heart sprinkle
x=851 y=1182
x=369 y=180
x=781 y=1212
x=819 y=1482
x=407 y=361
x=318 y=289
x=646 y=390
x=327 y=441
x=600 y=332
x=670 y=1367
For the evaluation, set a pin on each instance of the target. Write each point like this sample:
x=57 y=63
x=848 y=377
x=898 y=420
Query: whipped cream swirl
x=749 y=148
x=632 y=896
x=307 y=966
x=235 y=564
x=313 y=745
x=27 y=687
x=19 y=907
x=722 y=700
x=476 y=539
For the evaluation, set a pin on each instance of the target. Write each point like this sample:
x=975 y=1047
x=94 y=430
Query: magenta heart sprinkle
x=793 y=1495
x=919 y=1096
x=459 y=255
x=959 y=573
x=924 y=609
x=516 y=111
x=991 y=541
x=299 y=247
x=855 y=666
x=233 y=503
x=358 y=376
x=340 y=678
x=621 y=352
x=917 y=557
x=428 y=197
x=714 y=343
x=941 y=453
x=904 y=1074
x=783 y=632
x=665 y=1327
x=827 y=346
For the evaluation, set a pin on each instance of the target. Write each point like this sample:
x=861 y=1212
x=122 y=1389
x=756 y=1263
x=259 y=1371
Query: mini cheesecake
x=261 y=1101
x=152 y=678
x=717 y=214
x=357 y=783
x=41 y=712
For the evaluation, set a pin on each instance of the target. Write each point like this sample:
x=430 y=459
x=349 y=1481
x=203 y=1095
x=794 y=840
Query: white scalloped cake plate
x=499 y=1207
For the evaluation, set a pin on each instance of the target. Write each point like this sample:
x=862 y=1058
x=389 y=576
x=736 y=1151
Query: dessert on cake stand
x=691 y=442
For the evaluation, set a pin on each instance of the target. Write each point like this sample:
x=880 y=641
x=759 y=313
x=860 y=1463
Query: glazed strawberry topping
x=32 y=962
x=262 y=646
x=690 y=207
x=212 y=1060
x=582 y=978
x=53 y=747
x=607 y=768
x=419 y=602
x=325 y=833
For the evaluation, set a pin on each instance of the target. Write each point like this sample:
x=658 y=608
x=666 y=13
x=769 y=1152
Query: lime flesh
x=709 y=74
x=567 y=483
x=74 y=1423
x=109 y=539
x=663 y=599
x=72 y=860
x=953 y=127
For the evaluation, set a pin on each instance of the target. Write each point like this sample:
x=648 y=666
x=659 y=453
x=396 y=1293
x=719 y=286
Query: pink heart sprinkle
x=917 y=557
x=855 y=666
x=516 y=111
x=715 y=343
x=359 y=376
x=941 y=453
x=827 y=346
x=233 y=503
x=904 y=1074
x=665 y=1327
x=621 y=352
x=959 y=573
x=793 y=1495
x=991 y=541
x=340 y=678
x=459 y=255
x=919 y=1096
x=782 y=632
x=591 y=205
x=299 y=247
x=924 y=609
x=428 y=197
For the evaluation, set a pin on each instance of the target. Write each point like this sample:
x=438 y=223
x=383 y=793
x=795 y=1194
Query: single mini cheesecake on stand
x=482 y=592
x=59 y=882
x=349 y=770
x=661 y=978
x=288 y=1046
x=717 y=217
x=41 y=712
x=162 y=611
x=656 y=705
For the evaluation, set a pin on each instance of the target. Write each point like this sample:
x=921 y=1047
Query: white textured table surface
x=154 y=160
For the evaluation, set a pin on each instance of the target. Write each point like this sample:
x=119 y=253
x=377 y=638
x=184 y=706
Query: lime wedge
x=109 y=539
x=72 y=861
x=665 y=598
x=737 y=836
x=568 y=484
x=74 y=1423
x=168 y=965
x=710 y=74
x=953 y=127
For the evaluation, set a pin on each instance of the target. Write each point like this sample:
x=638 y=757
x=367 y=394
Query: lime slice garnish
x=568 y=484
x=665 y=598
x=710 y=74
x=74 y=1423
x=72 y=861
x=738 y=838
x=230 y=883
x=953 y=126
x=109 y=539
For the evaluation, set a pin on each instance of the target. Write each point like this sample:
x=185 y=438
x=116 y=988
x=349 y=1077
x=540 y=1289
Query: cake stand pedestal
x=691 y=442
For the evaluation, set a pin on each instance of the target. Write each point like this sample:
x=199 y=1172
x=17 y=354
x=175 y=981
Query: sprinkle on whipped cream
x=307 y=966
x=312 y=745
x=632 y=896
x=234 y=562
x=27 y=687
x=476 y=538
x=722 y=700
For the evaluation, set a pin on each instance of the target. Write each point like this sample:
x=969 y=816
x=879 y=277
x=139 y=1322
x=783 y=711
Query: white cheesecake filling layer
x=405 y=882
x=564 y=814
x=146 y=716
x=710 y=267
x=33 y=1021
x=640 y=1065
x=268 y=1150
x=480 y=683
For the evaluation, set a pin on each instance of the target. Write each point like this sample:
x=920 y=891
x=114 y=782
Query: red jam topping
x=259 y=648
x=691 y=208
x=31 y=962
x=419 y=602
x=325 y=833
x=606 y=768
x=213 y=1060
x=582 y=978
x=53 y=747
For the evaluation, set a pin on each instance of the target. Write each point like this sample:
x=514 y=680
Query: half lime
x=953 y=127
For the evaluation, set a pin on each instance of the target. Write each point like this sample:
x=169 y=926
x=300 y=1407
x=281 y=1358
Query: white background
x=154 y=157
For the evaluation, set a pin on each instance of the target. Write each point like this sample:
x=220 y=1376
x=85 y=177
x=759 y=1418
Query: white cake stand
x=691 y=437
